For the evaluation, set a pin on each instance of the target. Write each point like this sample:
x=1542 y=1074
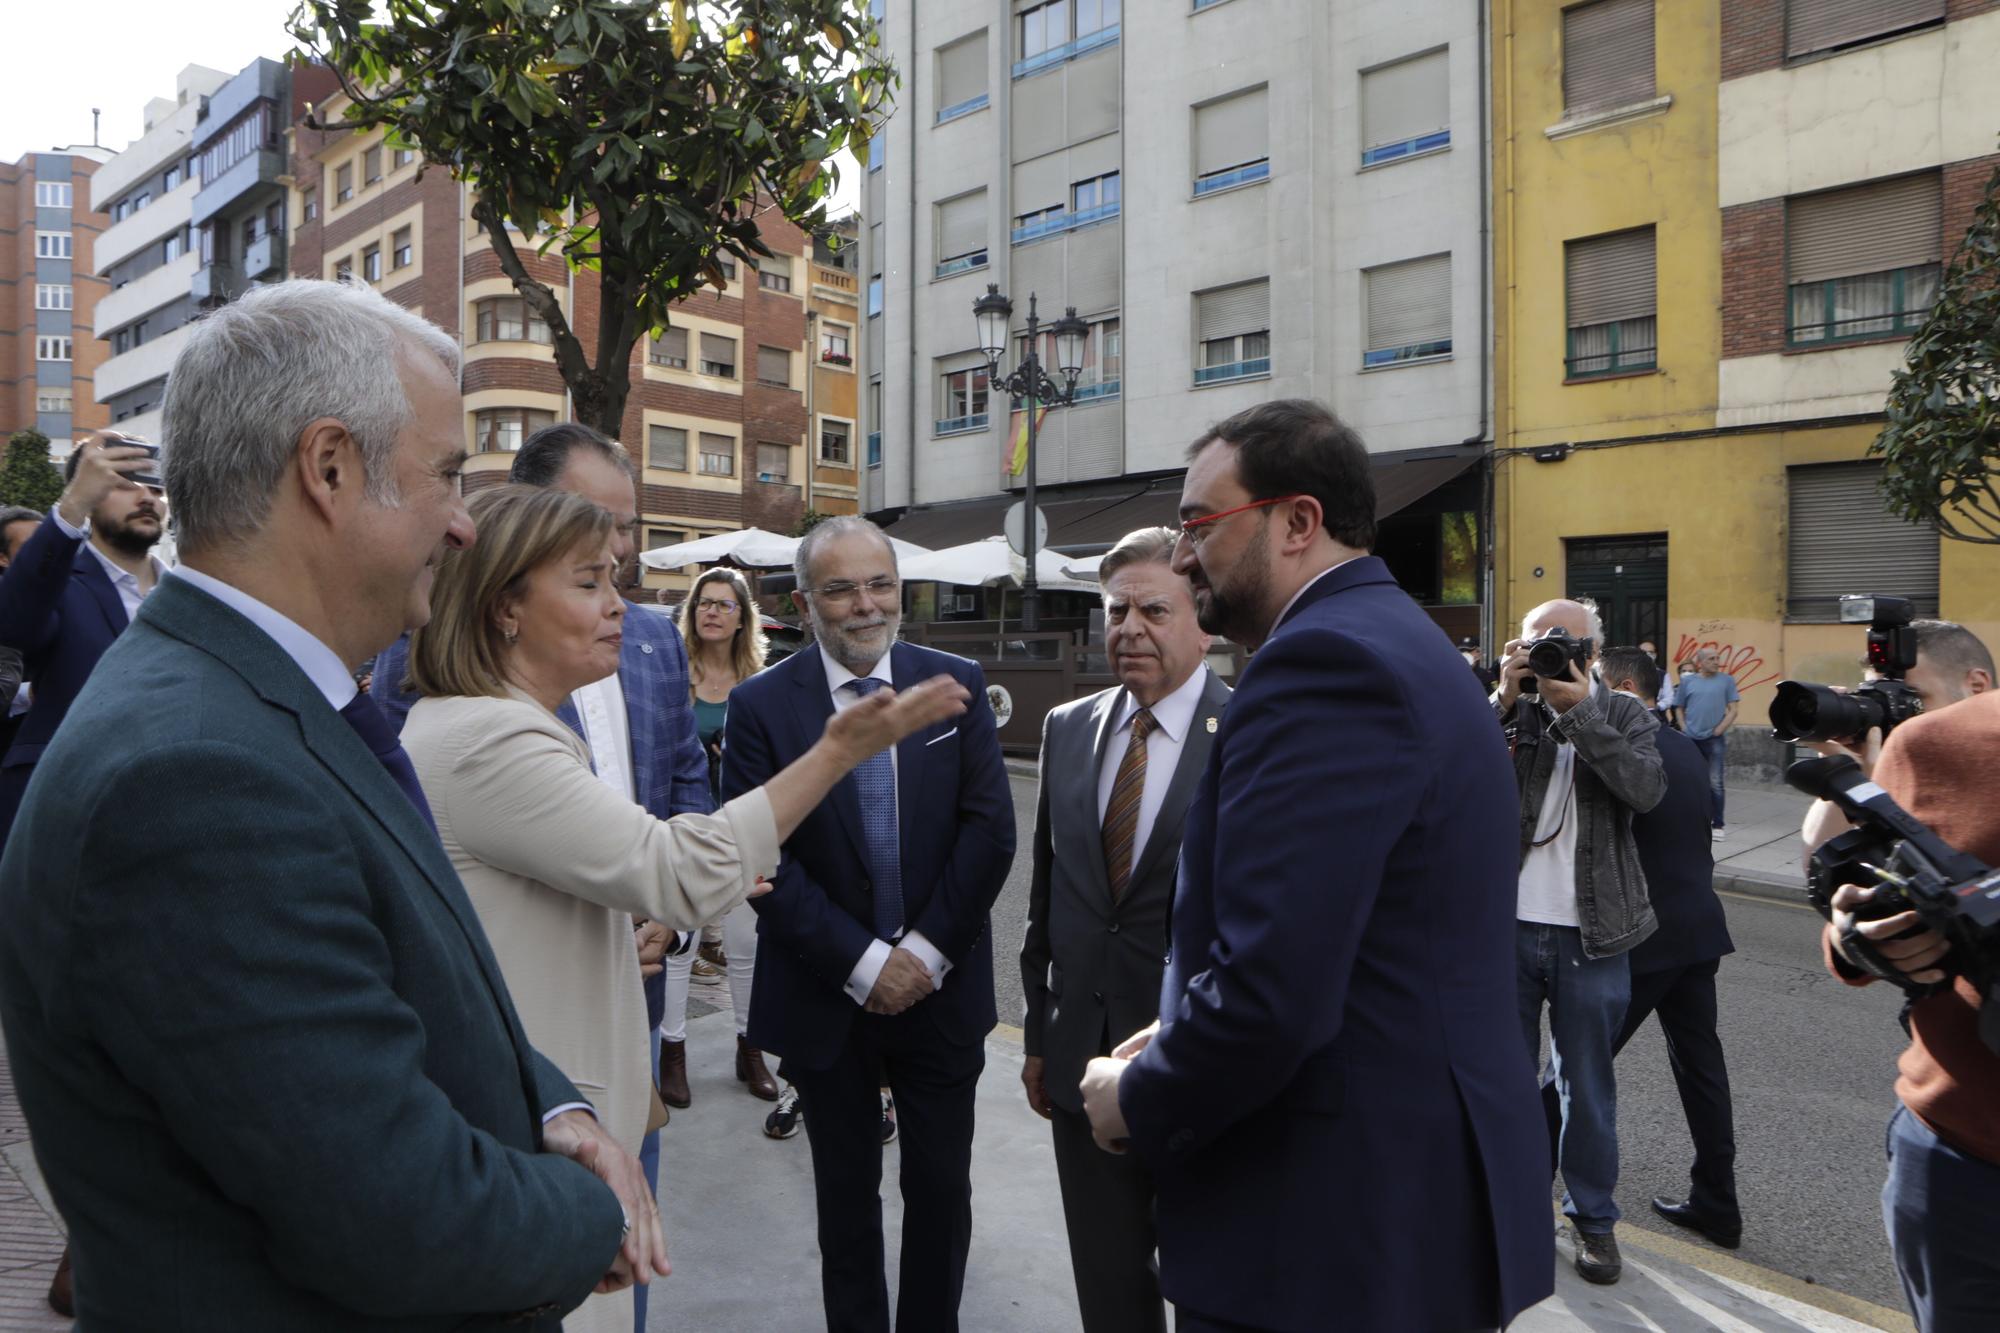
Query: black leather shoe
x=1728 y=1233
x=1597 y=1257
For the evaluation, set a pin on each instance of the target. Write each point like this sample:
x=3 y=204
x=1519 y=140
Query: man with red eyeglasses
x=1334 y=1105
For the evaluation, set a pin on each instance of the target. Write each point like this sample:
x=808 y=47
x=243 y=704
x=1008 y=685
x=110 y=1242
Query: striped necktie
x=1121 y=816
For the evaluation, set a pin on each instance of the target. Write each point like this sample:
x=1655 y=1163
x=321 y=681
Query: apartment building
x=48 y=296
x=833 y=395
x=1716 y=226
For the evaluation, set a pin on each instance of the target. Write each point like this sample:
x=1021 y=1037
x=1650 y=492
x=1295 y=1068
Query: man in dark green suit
x=272 y=1072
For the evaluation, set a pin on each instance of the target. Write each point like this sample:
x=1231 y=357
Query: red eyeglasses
x=1192 y=528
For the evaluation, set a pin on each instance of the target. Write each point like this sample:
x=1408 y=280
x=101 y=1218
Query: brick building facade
x=48 y=295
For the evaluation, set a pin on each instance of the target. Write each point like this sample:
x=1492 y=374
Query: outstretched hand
x=887 y=716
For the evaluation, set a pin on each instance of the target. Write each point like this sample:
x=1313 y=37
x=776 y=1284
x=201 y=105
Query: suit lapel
x=812 y=705
x=1166 y=830
x=90 y=573
x=639 y=679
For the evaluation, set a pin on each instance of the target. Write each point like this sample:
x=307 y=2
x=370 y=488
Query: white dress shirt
x=608 y=732
x=861 y=981
x=1172 y=717
x=126 y=582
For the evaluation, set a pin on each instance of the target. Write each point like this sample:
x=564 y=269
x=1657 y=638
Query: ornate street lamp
x=1030 y=383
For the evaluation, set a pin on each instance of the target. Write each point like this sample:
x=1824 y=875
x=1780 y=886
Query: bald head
x=1578 y=619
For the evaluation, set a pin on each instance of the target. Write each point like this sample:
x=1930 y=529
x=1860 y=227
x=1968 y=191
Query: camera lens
x=1548 y=659
x=1803 y=712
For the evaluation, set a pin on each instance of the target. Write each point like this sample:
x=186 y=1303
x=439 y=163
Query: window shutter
x=962 y=225
x=674 y=343
x=1821 y=25
x=1607 y=54
x=1409 y=303
x=716 y=348
x=773 y=462
x=1406 y=100
x=774 y=365
x=1231 y=311
x=1865 y=229
x=962 y=70
x=1844 y=540
x=1609 y=278
x=1232 y=132
x=1042 y=183
x=667 y=447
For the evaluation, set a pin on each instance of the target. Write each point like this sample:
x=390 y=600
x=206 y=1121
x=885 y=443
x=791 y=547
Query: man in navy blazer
x=874 y=959
x=1673 y=970
x=72 y=589
x=1334 y=1103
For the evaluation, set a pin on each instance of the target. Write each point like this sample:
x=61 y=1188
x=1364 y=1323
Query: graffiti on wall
x=1744 y=661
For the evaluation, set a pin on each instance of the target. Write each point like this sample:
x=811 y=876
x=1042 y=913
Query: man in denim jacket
x=1586 y=762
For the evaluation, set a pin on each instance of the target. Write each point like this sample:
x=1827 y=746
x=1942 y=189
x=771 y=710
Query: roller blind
x=1231 y=132
x=1865 y=229
x=718 y=349
x=962 y=225
x=1230 y=311
x=667 y=447
x=1406 y=100
x=1042 y=183
x=1607 y=54
x=674 y=343
x=1609 y=278
x=774 y=365
x=1844 y=540
x=1821 y=25
x=962 y=70
x=1409 y=303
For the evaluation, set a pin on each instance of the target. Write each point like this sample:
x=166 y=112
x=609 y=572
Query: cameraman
x=1585 y=762
x=1939 y=1201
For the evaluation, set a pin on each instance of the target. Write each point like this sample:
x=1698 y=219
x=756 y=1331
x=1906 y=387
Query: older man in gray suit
x=1118 y=768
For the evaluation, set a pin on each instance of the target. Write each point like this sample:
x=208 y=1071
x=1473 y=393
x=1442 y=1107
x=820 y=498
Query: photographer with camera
x=1585 y=762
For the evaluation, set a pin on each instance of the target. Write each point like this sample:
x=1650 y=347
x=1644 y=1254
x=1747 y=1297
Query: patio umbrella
x=750 y=547
x=977 y=564
x=1082 y=566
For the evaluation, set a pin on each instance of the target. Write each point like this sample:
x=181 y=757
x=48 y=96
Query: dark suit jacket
x=956 y=817
x=1678 y=856
x=1091 y=968
x=59 y=609
x=1340 y=1118
x=268 y=1059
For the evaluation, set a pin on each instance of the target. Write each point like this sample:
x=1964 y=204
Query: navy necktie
x=372 y=725
x=876 y=779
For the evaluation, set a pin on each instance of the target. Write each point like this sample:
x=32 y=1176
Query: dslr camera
x=1806 y=712
x=1551 y=655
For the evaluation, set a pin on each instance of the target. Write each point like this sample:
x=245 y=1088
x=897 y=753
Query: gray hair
x=839 y=525
x=256 y=372
x=1137 y=548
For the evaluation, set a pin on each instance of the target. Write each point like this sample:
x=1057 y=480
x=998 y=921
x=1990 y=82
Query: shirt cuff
x=915 y=942
x=861 y=981
x=584 y=1107
x=74 y=534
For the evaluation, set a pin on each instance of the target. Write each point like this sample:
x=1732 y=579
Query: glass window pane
x=1808 y=312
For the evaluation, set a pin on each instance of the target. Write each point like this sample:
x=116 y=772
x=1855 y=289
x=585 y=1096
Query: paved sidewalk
x=31 y=1235
x=1762 y=853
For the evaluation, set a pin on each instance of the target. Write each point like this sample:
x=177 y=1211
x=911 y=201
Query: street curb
x=1790 y=893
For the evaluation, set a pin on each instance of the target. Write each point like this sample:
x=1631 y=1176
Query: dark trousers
x=1108 y=1211
x=1684 y=1000
x=1938 y=1206
x=1715 y=753
x=933 y=1083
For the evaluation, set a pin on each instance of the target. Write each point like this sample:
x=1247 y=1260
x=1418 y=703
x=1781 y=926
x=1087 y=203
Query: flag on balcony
x=1017 y=460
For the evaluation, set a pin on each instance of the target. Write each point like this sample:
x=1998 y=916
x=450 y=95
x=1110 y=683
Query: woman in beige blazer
x=555 y=861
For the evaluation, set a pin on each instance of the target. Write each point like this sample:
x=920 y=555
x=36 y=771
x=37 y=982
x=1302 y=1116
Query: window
x=667 y=447
x=402 y=252
x=401 y=157
x=1816 y=26
x=1405 y=109
x=53 y=400
x=774 y=367
x=774 y=462
x=251 y=132
x=52 y=245
x=1094 y=199
x=274 y=218
x=1612 y=298
x=658 y=537
x=371 y=165
x=52 y=194
x=718 y=356
x=52 y=349
x=774 y=274
x=343 y=183
x=1409 y=311
x=1863 y=262
x=343 y=268
x=1842 y=540
x=836 y=443
x=54 y=296
x=1060 y=30
x=961 y=233
x=718 y=455
x=371 y=263
x=172 y=179
x=670 y=349
x=309 y=204
x=1607 y=55
x=875 y=419
x=249 y=233
x=1042 y=222
x=961 y=77
x=834 y=344
x=728 y=263
x=1233 y=332
x=173 y=246
x=1232 y=142
x=507 y=319
x=1103 y=359
x=501 y=430
x=875 y=295
x=964 y=401
x=878 y=148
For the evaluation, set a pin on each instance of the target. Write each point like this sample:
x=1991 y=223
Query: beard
x=1234 y=607
x=857 y=642
x=126 y=537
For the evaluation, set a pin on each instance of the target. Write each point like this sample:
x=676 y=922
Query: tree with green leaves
x=641 y=138
x=27 y=477
x=1942 y=443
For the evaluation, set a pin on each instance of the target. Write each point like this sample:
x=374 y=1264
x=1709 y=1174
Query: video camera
x=1952 y=892
x=1806 y=712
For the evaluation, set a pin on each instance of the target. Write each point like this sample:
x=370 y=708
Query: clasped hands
x=902 y=982
x=643 y=1252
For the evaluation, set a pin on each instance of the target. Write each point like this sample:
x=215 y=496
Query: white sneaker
x=1717 y=834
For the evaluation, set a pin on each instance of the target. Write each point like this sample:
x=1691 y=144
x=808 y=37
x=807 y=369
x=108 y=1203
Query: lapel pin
x=1211 y=726
x=646 y=648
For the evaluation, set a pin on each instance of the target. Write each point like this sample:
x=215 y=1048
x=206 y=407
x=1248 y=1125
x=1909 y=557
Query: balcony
x=1068 y=51
x=962 y=264
x=168 y=213
x=1254 y=368
x=953 y=426
x=1065 y=221
x=264 y=256
x=262 y=167
x=141 y=365
x=1247 y=174
x=142 y=296
x=213 y=285
x=1089 y=393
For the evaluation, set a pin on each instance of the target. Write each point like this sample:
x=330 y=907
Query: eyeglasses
x=723 y=604
x=878 y=589
x=1195 y=529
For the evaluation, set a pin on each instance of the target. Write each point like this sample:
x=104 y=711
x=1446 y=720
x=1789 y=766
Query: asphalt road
x=1812 y=1071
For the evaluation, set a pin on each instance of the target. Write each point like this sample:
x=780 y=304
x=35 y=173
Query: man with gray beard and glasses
x=884 y=970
